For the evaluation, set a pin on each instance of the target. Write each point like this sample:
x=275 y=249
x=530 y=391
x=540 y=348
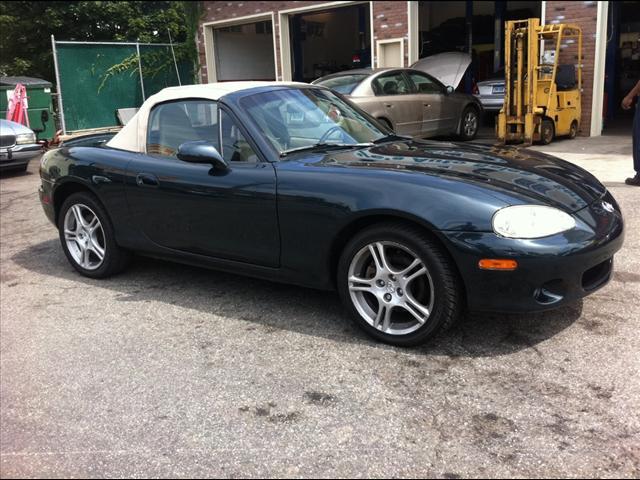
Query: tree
x=26 y=29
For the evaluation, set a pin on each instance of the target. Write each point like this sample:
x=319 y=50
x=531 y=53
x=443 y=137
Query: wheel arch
x=387 y=121
x=67 y=188
x=369 y=219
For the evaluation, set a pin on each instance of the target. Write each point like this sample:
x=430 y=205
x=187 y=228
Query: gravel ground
x=168 y=370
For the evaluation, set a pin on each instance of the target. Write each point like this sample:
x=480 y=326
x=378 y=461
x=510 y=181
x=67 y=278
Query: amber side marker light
x=497 y=264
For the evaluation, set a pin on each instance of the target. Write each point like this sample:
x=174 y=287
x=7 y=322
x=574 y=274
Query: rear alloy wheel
x=399 y=285
x=547 y=131
x=84 y=236
x=87 y=237
x=469 y=124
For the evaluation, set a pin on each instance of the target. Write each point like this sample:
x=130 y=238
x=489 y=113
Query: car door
x=398 y=102
x=191 y=207
x=431 y=101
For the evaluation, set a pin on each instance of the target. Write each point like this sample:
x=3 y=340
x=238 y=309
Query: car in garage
x=290 y=182
x=409 y=101
x=490 y=92
x=18 y=146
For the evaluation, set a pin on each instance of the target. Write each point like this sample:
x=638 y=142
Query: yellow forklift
x=542 y=96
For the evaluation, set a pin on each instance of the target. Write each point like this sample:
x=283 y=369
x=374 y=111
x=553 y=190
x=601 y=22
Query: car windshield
x=297 y=119
x=344 y=84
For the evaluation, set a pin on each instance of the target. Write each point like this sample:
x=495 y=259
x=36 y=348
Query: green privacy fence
x=96 y=78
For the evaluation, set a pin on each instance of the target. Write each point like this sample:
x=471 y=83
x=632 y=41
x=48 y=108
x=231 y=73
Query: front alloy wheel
x=399 y=284
x=391 y=288
x=470 y=124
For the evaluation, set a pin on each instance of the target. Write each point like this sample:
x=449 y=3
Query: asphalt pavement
x=169 y=370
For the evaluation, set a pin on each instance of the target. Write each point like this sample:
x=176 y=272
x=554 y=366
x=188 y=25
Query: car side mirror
x=202 y=151
x=449 y=90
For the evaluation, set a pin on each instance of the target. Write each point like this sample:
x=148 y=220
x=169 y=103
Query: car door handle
x=388 y=105
x=426 y=105
x=147 y=180
x=98 y=179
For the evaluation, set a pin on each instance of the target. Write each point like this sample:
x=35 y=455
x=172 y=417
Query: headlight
x=531 y=221
x=24 y=138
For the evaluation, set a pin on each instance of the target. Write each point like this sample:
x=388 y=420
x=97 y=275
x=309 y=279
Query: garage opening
x=244 y=52
x=329 y=41
x=472 y=27
x=622 y=67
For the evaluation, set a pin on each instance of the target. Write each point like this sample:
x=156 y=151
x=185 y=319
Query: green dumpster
x=41 y=119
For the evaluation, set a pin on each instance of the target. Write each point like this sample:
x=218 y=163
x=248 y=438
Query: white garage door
x=244 y=52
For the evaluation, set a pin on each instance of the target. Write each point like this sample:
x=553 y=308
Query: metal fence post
x=58 y=85
x=140 y=70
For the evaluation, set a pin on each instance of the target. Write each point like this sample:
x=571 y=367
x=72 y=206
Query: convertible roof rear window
x=344 y=84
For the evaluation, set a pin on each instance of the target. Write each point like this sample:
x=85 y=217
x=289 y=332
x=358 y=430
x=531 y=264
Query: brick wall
x=390 y=20
x=584 y=14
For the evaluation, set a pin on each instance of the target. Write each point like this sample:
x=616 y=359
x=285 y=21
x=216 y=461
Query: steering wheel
x=329 y=132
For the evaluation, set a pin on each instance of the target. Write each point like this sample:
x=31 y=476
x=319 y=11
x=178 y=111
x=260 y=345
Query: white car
x=18 y=145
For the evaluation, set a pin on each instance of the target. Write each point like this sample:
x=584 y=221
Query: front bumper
x=552 y=271
x=19 y=155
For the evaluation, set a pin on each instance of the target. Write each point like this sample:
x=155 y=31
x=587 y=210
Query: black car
x=289 y=182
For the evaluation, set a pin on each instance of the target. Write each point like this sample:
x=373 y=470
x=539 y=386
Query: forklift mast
x=542 y=96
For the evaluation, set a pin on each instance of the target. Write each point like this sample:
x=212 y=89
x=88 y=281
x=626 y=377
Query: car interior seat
x=174 y=129
x=390 y=87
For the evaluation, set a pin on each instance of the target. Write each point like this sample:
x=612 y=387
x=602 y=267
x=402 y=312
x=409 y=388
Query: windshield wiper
x=318 y=146
x=390 y=138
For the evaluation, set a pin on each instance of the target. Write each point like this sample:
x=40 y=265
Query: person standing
x=627 y=102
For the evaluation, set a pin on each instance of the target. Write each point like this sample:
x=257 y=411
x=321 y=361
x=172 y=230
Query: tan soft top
x=133 y=135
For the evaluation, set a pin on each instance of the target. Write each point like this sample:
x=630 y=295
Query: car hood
x=514 y=175
x=447 y=67
x=7 y=127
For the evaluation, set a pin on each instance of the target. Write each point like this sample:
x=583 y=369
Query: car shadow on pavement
x=14 y=173
x=273 y=306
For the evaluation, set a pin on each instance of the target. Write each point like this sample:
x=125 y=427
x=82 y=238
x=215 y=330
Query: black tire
x=547 y=131
x=448 y=303
x=469 y=114
x=386 y=123
x=573 y=130
x=115 y=258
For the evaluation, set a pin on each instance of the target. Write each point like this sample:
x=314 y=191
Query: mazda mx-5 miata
x=290 y=182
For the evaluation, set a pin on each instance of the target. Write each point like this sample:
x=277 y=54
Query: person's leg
x=636 y=140
x=636 y=149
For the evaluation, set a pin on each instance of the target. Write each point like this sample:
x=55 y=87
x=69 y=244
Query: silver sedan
x=408 y=101
x=491 y=92
x=18 y=145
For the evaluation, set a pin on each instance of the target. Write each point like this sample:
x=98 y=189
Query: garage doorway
x=622 y=68
x=321 y=42
x=241 y=50
x=475 y=27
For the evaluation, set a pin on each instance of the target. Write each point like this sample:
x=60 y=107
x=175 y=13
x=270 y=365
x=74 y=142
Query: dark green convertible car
x=291 y=182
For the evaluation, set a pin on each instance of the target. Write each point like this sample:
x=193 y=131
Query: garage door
x=322 y=42
x=244 y=52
